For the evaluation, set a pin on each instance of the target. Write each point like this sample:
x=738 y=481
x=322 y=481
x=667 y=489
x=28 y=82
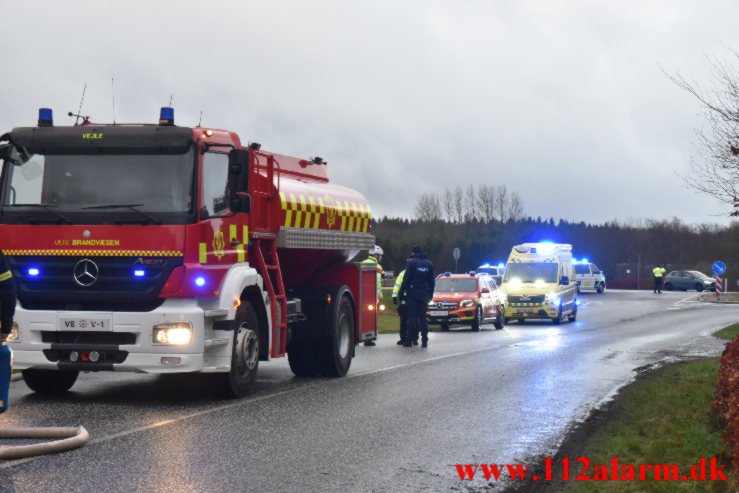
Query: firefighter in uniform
x=7 y=299
x=659 y=273
x=402 y=312
x=417 y=290
x=375 y=258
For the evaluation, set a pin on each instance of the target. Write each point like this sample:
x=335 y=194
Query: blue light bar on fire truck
x=166 y=116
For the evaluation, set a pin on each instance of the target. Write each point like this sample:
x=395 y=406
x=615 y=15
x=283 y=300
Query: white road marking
x=246 y=401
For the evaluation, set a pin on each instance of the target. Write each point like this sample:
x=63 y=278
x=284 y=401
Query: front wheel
x=498 y=324
x=50 y=381
x=698 y=287
x=573 y=316
x=668 y=286
x=601 y=288
x=558 y=319
x=245 y=353
x=477 y=321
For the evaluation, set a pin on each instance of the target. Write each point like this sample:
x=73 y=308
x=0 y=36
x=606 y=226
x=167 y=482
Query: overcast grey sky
x=562 y=101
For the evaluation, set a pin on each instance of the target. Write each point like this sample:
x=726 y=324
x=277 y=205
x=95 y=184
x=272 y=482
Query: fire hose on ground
x=66 y=438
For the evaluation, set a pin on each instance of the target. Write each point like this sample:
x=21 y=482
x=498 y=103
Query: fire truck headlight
x=382 y=307
x=15 y=334
x=200 y=281
x=466 y=303
x=176 y=333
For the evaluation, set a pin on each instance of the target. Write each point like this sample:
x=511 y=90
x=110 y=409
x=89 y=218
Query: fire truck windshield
x=531 y=272
x=97 y=184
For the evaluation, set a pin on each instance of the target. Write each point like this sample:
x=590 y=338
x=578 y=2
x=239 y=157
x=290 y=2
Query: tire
x=506 y=320
x=668 y=286
x=572 y=317
x=477 y=321
x=445 y=327
x=698 y=287
x=499 y=321
x=335 y=352
x=301 y=355
x=244 y=353
x=50 y=381
x=601 y=288
x=558 y=319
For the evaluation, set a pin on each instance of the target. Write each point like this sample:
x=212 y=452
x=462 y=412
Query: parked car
x=688 y=279
x=471 y=299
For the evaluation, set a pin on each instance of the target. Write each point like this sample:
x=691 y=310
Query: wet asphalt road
x=398 y=422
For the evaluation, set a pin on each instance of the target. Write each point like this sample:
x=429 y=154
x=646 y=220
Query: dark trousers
x=657 y=284
x=417 y=318
x=7 y=309
x=403 y=315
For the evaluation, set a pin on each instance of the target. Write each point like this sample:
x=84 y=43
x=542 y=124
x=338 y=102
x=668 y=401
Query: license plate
x=438 y=313
x=525 y=311
x=84 y=324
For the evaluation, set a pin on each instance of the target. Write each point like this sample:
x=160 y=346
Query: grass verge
x=662 y=418
x=728 y=333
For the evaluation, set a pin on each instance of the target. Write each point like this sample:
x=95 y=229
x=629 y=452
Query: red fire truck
x=165 y=249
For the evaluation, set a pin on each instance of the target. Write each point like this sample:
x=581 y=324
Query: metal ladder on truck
x=268 y=264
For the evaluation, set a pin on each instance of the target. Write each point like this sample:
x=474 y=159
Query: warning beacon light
x=166 y=116
x=45 y=117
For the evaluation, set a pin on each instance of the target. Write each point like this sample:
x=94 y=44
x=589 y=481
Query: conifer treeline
x=610 y=245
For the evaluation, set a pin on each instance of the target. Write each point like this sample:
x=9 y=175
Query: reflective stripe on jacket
x=5 y=276
x=398 y=283
x=659 y=271
x=373 y=260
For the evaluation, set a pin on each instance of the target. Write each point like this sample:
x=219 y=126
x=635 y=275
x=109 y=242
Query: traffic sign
x=719 y=267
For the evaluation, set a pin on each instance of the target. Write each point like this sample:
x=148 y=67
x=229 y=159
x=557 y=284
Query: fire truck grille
x=99 y=283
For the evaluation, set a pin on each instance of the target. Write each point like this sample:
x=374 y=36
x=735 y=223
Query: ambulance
x=539 y=283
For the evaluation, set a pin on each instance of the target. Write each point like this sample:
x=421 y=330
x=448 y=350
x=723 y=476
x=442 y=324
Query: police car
x=589 y=276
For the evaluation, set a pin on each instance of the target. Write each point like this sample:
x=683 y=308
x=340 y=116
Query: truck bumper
x=124 y=339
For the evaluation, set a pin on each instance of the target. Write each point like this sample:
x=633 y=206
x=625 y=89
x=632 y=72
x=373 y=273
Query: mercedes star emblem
x=86 y=272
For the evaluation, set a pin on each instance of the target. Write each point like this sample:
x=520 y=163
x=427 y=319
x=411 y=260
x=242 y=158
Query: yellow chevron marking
x=98 y=253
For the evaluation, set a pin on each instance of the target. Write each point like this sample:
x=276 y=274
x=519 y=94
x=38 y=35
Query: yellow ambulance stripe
x=203 y=253
x=5 y=276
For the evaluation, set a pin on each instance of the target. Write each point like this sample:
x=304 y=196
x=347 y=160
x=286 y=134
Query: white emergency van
x=539 y=283
x=589 y=277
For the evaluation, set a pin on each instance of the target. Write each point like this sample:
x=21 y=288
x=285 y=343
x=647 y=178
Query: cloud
x=563 y=102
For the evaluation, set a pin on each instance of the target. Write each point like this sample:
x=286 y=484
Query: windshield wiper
x=46 y=207
x=132 y=207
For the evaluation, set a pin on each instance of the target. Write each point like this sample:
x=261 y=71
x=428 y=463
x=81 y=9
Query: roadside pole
x=718 y=268
x=455 y=254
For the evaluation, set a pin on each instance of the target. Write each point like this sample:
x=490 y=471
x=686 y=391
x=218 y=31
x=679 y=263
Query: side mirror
x=240 y=202
x=564 y=280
